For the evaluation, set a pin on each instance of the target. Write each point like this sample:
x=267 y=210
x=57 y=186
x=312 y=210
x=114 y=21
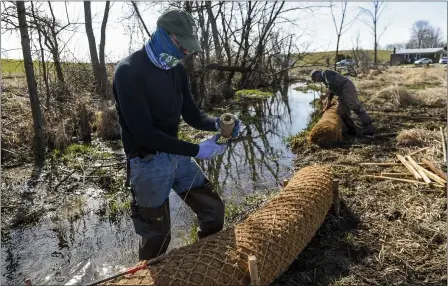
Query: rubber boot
x=366 y=121
x=153 y=224
x=208 y=207
x=350 y=124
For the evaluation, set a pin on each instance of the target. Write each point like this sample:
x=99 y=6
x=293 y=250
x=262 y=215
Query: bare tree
x=374 y=14
x=343 y=26
x=361 y=57
x=140 y=18
x=98 y=65
x=424 y=35
x=398 y=46
x=49 y=28
x=38 y=120
x=42 y=56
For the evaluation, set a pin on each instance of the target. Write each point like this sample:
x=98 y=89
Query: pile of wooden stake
x=424 y=172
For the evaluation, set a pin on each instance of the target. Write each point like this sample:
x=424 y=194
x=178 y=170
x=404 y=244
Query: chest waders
x=154 y=224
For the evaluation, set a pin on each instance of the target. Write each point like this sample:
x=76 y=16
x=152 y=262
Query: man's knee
x=208 y=206
x=153 y=225
x=213 y=221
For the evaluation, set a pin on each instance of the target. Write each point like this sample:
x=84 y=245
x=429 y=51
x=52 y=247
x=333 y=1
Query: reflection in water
x=78 y=246
x=260 y=159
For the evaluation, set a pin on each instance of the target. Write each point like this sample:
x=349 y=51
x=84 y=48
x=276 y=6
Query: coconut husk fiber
x=328 y=130
x=276 y=234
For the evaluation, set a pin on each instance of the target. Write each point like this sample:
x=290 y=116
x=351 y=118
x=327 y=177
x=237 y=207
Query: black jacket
x=149 y=103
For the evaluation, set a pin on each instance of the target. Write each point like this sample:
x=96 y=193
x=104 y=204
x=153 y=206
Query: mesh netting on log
x=328 y=130
x=275 y=234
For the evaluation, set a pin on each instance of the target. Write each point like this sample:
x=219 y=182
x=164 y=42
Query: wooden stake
x=416 y=167
x=393 y=179
x=418 y=151
x=433 y=168
x=383 y=164
x=396 y=174
x=336 y=199
x=285 y=183
x=443 y=144
x=433 y=176
x=409 y=167
x=253 y=270
x=380 y=164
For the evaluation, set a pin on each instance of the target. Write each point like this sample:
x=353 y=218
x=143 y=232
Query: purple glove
x=209 y=149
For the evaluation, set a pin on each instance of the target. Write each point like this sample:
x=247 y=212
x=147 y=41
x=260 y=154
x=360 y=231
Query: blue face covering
x=162 y=51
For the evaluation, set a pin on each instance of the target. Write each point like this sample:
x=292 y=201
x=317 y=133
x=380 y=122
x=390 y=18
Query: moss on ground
x=253 y=94
x=238 y=210
x=75 y=151
x=310 y=86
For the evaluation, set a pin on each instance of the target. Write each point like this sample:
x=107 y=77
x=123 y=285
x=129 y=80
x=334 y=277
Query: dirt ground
x=388 y=232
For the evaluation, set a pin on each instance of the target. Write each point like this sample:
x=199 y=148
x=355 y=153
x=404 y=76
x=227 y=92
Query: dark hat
x=314 y=74
x=181 y=24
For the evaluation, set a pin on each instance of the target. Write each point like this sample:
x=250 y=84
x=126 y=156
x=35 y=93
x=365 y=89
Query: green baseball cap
x=181 y=24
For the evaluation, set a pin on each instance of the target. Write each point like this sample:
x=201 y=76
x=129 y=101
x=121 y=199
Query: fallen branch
x=409 y=167
x=63 y=180
x=416 y=167
x=433 y=168
x=96 y=168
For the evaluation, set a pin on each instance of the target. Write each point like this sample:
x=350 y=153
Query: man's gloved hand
x=236 y=128
x=209 y=149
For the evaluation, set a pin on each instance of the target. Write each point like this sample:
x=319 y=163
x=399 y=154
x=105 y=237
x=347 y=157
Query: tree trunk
x=375 y=51
x=189 y=64
x=337 y=51
x=103 y=71
x=42 y=55
x=38 y=120
x=92 y=47
x=55 y=50
x=215 y=35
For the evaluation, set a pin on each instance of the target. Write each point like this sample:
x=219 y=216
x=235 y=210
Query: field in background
x=320 y=57
x=10 y=66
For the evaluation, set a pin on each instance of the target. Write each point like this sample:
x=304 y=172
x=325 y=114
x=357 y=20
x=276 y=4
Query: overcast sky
x=318 y=27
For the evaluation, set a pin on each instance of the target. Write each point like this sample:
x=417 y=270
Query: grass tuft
x=394 y=96
x=417 y=137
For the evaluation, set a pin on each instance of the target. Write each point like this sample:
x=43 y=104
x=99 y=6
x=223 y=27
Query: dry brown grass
x=423 y=77
x=394 y=96
x=389 y=233
x=108 y=125
x=58 y=134
x=328 y=130
x=17 y=126
x=417 y=137
x=434 y=96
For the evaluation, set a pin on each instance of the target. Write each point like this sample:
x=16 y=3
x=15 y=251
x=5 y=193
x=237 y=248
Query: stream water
x=88 y=247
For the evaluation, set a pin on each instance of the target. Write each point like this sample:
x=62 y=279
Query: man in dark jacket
x=340 y=86
x=152 y=91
